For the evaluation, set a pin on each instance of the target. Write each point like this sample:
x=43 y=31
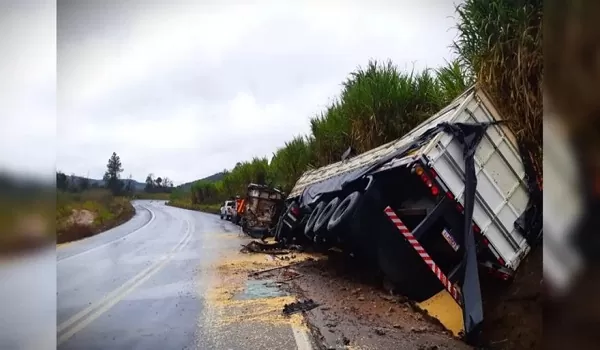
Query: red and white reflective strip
x=424 y=255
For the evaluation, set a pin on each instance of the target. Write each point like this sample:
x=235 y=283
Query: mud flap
x=445 y=305
x=445 y=309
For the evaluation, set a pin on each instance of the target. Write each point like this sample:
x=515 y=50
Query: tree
x=73 y=185
x=113 y=174
x=84 y=183
x=129 y=185
x=159 y=181
x=61 y=181
x=149 y=182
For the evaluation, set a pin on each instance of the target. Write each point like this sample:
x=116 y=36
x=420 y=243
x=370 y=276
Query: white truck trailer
x=454 y=194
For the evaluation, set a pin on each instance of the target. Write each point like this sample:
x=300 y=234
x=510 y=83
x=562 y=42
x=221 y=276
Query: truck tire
x=344 y=210
x=325 y=214
x=308 y=229
x=280 y=234
x=403 y=266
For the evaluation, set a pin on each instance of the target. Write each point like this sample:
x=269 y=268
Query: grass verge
x=187 y=204
x=80 y=215
x=155 y=196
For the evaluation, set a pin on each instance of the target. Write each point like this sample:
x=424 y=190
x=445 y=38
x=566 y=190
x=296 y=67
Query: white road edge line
x=152 y=216
x=302 y=339
x=86 y=316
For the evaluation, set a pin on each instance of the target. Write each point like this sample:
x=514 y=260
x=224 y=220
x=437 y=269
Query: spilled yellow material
x=230 y=279
x=445 y=309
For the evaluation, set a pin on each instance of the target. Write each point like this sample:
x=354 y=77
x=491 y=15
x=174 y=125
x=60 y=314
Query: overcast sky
x=28 y=87
x=184 y=91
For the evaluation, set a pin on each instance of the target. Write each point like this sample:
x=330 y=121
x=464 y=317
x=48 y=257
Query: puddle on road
x=255 y=289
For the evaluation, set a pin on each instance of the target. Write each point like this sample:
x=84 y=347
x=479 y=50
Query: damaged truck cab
x=428 y=209
x=261 y=206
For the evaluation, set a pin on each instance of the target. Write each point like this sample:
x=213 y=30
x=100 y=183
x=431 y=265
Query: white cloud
x=191 y=89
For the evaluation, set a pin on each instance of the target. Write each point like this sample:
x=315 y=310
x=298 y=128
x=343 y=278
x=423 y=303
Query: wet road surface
x=143 y=285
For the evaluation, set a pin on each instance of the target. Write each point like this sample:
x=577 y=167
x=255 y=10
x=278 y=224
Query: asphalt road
x=142 y=285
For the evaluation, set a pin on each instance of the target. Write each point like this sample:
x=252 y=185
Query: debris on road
x=267 y=248
x=298 y=306
x=379 y=331
x=256 y=273
x=376 y=321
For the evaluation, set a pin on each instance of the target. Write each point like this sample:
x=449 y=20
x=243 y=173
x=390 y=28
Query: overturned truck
x=455 y=194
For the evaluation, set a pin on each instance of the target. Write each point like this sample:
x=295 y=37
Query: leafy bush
x=501 y=42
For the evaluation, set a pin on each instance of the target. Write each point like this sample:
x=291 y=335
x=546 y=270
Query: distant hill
x=138 y=186
x=213 y=178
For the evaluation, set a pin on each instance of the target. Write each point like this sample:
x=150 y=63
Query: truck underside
x=366 y=232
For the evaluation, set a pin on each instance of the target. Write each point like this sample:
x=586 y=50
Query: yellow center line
x=86 y=316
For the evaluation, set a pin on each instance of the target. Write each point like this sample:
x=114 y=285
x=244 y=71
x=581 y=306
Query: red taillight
x=459 y=207
x=476 y=229
x=427 y=180
x=449 y=195
x=295 y=211
x=501 y=261
x=485 y=241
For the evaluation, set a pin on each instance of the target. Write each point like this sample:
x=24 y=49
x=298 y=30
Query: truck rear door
x=502 y=194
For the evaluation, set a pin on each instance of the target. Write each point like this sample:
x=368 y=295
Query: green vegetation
x=112 y=175
x=79 y=215
x=158 y=185
x=499 y=47
x=501 y=42
x=82 y=211
x=155 y=196
x=186 y=204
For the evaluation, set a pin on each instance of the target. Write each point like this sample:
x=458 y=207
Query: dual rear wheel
x=327 y=217
x=379 y=240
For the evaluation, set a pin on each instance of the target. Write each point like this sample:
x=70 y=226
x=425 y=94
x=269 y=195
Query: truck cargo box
x=501 y=196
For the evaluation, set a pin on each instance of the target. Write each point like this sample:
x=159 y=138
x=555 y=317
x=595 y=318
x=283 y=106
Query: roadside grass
x=155 y=196
x=26 y=219
x=107 y=211
x=187 y=204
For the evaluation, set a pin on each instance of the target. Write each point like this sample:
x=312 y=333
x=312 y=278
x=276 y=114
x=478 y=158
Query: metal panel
x=502 y=194
x=371 y=157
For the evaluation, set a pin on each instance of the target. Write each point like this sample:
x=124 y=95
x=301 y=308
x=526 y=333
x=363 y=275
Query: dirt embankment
x=356 y=312
x=513 y=312
x=81 y=219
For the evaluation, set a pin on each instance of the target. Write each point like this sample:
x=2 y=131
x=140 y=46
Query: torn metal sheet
x=299 y=306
